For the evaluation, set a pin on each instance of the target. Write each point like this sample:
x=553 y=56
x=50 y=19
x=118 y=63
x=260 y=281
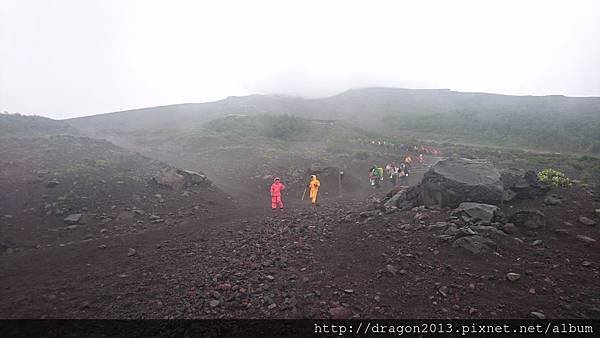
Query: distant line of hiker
x=422 y=149
x=395 y=173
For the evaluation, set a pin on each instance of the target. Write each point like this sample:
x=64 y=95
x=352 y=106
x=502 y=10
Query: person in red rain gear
x=276 y=188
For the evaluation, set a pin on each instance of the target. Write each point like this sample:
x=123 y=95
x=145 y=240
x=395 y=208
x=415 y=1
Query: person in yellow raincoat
x=314 y=188
x=408 y=160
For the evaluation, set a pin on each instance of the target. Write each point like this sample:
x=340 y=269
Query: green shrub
x=554 y=178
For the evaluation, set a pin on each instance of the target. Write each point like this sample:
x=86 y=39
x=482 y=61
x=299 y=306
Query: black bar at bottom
x=300 y=328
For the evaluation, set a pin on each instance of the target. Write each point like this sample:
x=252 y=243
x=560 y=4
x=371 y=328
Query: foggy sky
x=66 y=58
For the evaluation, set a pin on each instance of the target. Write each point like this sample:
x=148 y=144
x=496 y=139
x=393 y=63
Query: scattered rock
x=585 y=239
x=214 y=303
x=371 y=213
x=538 y=315
x=561 y=231
x=340 y=312
x=487 y=230
x=224 y=286
x=131 y=252
x=509 y=228
x=443 y=290
x=405 y=227
x=475 y=244
x=420 y=216
x=513 y=276
x=532 y=219
x=401 y=199
x=452 y=231
x=72 y=219
x=587 y=221
x=391 y=269
x=478 y=211
x=437 y=225
x=553 y=200
x=52 y=183
x=520 y=184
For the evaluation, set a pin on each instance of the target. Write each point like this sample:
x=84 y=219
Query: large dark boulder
x=456 y=180
x=177 y=179
x=521 y=184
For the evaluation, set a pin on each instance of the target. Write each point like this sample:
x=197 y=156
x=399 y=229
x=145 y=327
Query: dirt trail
x=303 y=264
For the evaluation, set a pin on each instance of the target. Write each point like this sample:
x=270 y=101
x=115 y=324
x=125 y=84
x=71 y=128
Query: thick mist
x=72 y=58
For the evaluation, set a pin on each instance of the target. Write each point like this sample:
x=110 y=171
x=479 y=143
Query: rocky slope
x=64 y=189
x=346 y=258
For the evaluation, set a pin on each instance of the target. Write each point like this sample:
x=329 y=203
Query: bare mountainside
x=555 y=123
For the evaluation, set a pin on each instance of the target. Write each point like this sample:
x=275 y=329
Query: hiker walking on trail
x=314 y=188
x=403 y=173
x=408 y=160
x=375 y=175
x=276 y=188
x=390 y=169
x=395 y=175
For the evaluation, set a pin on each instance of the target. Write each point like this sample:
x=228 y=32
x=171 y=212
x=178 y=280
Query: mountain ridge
x=557 y=123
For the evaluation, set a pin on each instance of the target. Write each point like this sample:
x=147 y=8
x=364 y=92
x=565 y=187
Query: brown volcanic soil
x=306 y=263
x=110 y=186
x=252 y=263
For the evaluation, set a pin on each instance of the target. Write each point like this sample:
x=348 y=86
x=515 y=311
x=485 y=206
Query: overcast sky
x=65 y=58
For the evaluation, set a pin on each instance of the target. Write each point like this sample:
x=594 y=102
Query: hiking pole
x=304 y=193
x=341 y=173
